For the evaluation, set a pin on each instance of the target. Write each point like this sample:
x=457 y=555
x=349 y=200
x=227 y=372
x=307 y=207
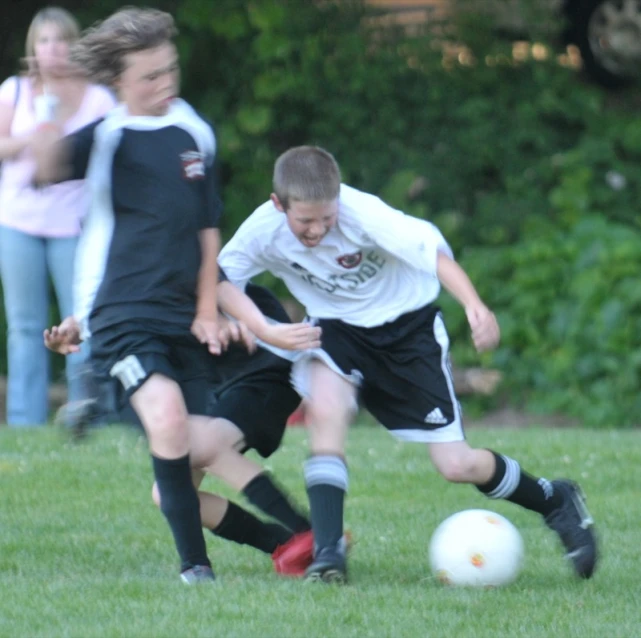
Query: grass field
x=83 y=552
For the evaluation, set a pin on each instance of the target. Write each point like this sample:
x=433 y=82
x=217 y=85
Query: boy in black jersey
x=146 y=281
x=250 y=398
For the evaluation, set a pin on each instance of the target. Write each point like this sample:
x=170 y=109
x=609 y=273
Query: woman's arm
x=10 y=146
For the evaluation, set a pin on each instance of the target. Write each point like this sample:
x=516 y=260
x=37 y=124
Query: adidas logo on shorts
x=436 y=417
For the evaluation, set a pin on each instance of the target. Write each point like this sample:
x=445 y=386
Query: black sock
x=179 y=503
x=244 y=528
x=326 y=481
x=511 y=483
x=267 y=497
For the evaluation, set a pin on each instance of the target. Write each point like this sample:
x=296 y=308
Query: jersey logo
x=193 y=165
x=350 y=261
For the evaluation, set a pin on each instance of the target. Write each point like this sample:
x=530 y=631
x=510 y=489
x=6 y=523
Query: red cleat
x=295 y=556
x=297 y=417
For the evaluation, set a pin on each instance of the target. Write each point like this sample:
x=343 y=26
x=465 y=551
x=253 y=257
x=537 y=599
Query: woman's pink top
x=52 y=211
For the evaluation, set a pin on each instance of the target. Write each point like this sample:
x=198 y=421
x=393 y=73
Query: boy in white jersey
x=369 y=276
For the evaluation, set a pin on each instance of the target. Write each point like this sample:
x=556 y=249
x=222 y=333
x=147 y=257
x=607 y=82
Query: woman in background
x=39 y=227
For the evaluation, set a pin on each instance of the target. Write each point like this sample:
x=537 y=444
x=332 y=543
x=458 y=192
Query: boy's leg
x=416 y=402
x=330 y=411
x=217 y=444
x=560 y=502
x=251 y=413
x=161 y=408
x=231 y=522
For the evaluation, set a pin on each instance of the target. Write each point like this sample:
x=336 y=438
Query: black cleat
x=197 y=574
x=329 y=566
x=574 y=525
x=77 y=417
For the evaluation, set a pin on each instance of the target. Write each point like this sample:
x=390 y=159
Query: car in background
x=606 y=32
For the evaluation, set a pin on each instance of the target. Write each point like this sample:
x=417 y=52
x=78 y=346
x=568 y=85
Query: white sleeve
x=241 y=257
x=413 y=240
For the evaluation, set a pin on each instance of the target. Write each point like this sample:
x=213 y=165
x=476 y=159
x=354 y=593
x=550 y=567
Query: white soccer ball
x=476 y=548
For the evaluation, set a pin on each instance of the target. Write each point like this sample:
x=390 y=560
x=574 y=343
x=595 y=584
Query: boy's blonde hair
x=306 y=174
x=57 y=16
x=101 y=50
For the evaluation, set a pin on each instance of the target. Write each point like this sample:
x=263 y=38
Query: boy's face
x=309 y=221
x=149 y=81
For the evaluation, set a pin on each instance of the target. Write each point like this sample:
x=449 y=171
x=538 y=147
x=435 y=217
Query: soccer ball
x=476 y=548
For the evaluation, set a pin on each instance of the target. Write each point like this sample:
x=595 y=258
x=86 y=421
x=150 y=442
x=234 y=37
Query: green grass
x=83 y=552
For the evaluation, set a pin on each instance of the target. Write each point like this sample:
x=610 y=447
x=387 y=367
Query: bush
x=531 y=173
x=569 y=303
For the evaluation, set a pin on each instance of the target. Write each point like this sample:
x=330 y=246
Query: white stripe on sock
x=326 y=470
x=510 y=481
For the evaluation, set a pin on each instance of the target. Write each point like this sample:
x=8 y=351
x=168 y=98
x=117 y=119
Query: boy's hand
x=207 y=331
x=292 y=336
x=236 y=332
x=485 y=328
x=65 y=338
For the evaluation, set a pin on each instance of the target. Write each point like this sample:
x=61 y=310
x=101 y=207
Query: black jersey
x=153 y=188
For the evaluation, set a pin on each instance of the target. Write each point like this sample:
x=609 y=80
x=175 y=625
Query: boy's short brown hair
x=101 y=50
x=306 y=174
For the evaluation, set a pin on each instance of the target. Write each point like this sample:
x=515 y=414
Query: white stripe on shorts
x=453 y=431
x=301 y=369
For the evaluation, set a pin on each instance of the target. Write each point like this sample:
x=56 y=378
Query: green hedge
x=569 y=303
x=531 y=172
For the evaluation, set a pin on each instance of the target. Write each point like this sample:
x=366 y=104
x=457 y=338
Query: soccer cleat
x=295 y=556
x=574 y=525
x=77 y=416
x=197 y=575
x=329 y=566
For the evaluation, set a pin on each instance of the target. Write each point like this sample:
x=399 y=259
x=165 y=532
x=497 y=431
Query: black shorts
x=403 y=372
x=131 y=352
x=259 y=403
x=258 y=399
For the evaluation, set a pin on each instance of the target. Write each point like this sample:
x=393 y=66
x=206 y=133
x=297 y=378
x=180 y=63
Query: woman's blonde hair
x=306 y=174
x=67 y=24
x=100 y=52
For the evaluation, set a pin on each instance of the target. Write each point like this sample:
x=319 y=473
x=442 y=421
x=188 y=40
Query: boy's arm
x=297 y=336
x=65 y=338
x=485 y=328
x=205 y=326
x=51 y=155
x=59 y=158
x=238 y=262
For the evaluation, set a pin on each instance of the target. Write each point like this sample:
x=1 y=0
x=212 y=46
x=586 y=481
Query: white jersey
x=373 y=266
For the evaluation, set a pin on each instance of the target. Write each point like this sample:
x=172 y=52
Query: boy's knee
x=453 y=470
x=331 y=409
x=456 y=464
x=161 y=408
